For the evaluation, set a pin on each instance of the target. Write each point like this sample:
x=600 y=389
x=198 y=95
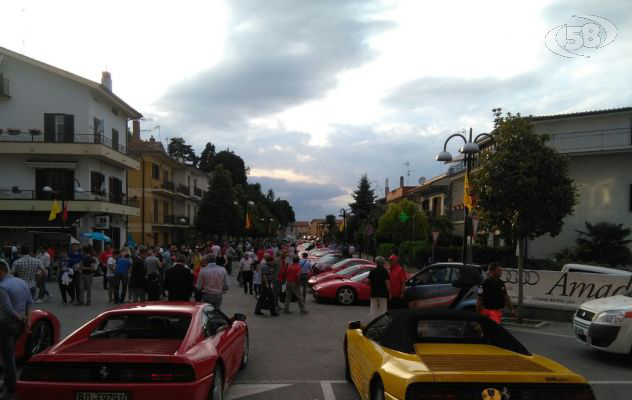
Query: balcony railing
x=117 y=198
x=168 y=219
x=591 y=141
x=4 y=87
x=182 y=220
x=184 y=190
x=168 y=185
x=197 y=192
x=37 y=136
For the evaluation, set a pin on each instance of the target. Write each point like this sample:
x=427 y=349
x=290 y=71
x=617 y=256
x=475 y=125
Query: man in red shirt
x=103 y=261
x=397 y=278
x=292 y=273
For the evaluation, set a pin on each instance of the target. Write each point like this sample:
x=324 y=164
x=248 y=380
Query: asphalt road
x=300 y=356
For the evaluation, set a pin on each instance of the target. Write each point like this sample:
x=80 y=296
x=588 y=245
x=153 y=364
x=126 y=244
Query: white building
x=65 y=137
x=599 y=144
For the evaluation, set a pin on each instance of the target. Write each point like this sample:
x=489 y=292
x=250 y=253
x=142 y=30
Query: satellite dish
x=421 y=180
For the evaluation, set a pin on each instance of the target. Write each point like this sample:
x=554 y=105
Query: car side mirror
x=355 y=325
x=239 y=317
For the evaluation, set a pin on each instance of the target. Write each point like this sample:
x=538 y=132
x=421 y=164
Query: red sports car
x=154 y=350
x=344 y=273
x=45 y=330
x=345 y=291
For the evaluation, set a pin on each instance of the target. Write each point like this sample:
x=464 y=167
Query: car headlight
x=613 y=316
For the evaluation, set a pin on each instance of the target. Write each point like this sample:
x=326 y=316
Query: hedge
x=386 y=249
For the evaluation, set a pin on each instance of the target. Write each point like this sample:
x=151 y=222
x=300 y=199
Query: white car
x=606 y=323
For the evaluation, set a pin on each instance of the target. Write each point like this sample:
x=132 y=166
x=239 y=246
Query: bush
x=385 y=249
x=411 y=253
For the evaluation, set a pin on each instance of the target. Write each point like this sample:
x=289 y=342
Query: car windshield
x=328 y=260
x=360 y=277
x=348 y=270
x=448 y=329
x=143 y=326
x=343 y=263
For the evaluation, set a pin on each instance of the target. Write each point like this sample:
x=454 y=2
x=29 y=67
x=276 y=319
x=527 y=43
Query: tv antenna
x=408 y=171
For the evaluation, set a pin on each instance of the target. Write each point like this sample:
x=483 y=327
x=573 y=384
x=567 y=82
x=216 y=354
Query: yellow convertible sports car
x=456 y=355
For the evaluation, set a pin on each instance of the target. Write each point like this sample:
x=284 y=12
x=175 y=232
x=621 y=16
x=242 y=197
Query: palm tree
x=604 y=243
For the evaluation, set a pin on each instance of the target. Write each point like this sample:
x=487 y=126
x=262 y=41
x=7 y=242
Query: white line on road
x=610 y=382
x=328 y=391
x=541 y=333
x=288 y=382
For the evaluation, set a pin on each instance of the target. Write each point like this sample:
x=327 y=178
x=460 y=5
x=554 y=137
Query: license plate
x=102 y=396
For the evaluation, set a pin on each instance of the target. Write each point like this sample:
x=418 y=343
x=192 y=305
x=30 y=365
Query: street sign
x=403 y=216
x=435 y=236
x=369 y=230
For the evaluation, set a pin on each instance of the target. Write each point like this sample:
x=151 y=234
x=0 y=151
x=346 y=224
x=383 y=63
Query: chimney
x=386 y=186
x=106 y=80
x=136 y=131
x=401 y=181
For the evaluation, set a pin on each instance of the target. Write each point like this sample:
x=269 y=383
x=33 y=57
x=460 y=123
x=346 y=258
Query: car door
x=432 y=287
x=229 y=339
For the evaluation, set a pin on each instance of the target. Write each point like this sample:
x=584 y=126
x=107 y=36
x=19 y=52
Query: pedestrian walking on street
x=16 y=303
x=64 y=279
x=292 y=274
x=306 y=266
x=179 y=280
x=231 y=255
x=42 y=276
x=74 y=262
x=397 y=279
x=110 y=266
x=256 y=279
x=27 y=268
x=121 y=277
x=103 y=261
x=379 y=283
x=492 y=295
x=245 y=269
x=212 y=282
x=89 y=265
x=266 y=298
x=138 y=277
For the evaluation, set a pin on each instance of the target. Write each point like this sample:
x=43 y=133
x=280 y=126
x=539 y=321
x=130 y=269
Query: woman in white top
x=110 y=265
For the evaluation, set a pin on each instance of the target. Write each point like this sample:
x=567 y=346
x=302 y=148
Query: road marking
x=287 y=382
x=610 y=382
x=328 y=391
x=238 y=391
x=541 y=333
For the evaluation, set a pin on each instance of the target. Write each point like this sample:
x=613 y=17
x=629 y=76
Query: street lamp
x=469 y=150
x=343 y=214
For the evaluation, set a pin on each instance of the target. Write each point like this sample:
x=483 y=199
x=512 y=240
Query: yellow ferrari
x=455 y=355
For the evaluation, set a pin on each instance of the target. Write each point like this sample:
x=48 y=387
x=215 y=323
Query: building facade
x=169 y=194
x=62 y=137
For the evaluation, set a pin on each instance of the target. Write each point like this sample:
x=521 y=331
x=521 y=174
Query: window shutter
x=69 y=127
x=49 y=127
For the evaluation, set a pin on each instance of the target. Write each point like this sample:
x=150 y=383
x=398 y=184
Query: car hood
x=607 y=303
x=333 y=282
x=475 y=362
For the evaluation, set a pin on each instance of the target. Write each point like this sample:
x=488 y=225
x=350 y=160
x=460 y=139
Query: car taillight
x=628 y=314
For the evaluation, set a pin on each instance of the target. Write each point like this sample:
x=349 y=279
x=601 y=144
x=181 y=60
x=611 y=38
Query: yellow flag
x=248 y=224
x=54 y=210
x=467 y=195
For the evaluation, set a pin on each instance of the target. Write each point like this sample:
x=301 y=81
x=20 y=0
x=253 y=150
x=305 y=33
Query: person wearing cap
x=397 y=280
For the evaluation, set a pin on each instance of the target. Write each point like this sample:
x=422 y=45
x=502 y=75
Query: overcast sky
x=313 y=94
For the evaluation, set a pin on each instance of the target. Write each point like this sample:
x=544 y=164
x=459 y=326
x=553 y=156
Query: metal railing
x=37 y=136
x=184 y=190
x=4 y=87
x=589 y=141
x=117 y=198
x=168 y=185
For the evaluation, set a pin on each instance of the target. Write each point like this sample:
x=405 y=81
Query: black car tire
x=40 y=339
x=377 y=390
x=217 y=388
x=244 y=356
x=346 y=295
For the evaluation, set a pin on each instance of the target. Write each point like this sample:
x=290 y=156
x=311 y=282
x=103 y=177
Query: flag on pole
x=467 y=194
x=248 y=221
x=54 y=210
x=64 y=214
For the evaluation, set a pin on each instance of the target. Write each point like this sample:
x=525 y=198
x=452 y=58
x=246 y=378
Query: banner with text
x=566 y=291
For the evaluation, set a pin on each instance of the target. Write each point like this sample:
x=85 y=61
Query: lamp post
x=343 y=214
x=469 y=150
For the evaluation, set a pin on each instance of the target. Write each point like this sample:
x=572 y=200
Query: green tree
x=364 y=199
x=233 y=164
x=207 y=158
x=523 y=186
x=331 y=227
x=178 y=148
x=218 y=214
x=403 y=221
x=604 y=243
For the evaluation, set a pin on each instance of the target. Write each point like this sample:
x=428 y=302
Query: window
x=155 y=214
x=440 y=275
x=115 y=139
x=59 y=128
x=216 y=321
x=165 y=174
x=97 y=182
x=114 y=111
x=425 y=205
x=143 y=326
x=155 y=171
x=116 y=190
x=60 y=180
x=98 y=127
x=376 y=329
x=436 y=206
x=448 y=329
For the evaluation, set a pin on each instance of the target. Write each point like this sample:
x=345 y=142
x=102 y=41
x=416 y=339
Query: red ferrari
x=345 y=273
x=156 y=350
x=45 y=331
x=345 y=291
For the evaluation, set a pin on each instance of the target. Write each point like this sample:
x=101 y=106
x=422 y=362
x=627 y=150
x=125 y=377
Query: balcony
x=169 y=219
x=607 y=140
x=197 y=192
x=34 y=141
x=4 y=88
x=33 y=200
x=183 y=189
x=183 y=220
x=168 y=185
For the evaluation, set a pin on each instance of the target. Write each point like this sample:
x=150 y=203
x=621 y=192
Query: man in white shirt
x=245 y=268
x=212 y=282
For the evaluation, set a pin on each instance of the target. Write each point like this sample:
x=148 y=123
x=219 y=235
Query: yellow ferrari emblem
x=492 y=394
